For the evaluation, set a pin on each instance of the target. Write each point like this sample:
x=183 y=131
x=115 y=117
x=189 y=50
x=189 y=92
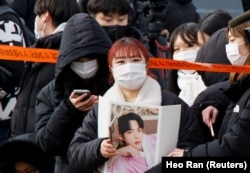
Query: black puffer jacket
x=56 y=118
x=211 y=96
x=214 y=51
x=234 y=136
x=84 y=148
x=36 y=76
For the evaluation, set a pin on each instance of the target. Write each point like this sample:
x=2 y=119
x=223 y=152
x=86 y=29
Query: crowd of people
x=102 y=49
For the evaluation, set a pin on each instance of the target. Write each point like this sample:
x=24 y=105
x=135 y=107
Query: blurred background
x=234 y=7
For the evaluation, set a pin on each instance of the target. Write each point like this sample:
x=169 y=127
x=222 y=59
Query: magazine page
x=104 y=110
x=168 y=130
x=134 y=130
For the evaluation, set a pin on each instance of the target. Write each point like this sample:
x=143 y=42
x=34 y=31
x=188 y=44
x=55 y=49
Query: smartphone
x=82 y=91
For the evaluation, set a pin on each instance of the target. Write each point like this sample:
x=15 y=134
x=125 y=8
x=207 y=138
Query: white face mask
x=38 y=34
x=130 y=76
x=188 y=55
x=85 y=70
x=233 y=54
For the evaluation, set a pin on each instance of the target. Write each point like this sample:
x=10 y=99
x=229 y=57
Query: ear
x=46 y=17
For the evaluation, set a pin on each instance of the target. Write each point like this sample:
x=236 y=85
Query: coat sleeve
x=212 y=96
x=190 y=134
x=55 y=126
x=84 y=150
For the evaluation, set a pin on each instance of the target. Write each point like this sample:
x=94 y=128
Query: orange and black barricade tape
x=17 y=53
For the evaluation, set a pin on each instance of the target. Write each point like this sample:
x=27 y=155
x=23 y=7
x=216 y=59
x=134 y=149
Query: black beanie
x=239 y=19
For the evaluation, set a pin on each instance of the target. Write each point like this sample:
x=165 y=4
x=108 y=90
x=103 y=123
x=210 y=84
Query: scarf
x=190 y=85
x=150 y=93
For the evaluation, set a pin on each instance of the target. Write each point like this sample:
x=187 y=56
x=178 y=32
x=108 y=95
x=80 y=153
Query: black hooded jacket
x=10 y=71
x=56 y=118
x=36 y=76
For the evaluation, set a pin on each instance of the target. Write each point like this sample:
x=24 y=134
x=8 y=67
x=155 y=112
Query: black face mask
x=115 y=32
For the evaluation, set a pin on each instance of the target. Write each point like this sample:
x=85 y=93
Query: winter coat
x=214 y=51
x=211 y=96
x=36 y=76
x=234 y=136
x=10 y=71
x=56 y=117
x=84 y=148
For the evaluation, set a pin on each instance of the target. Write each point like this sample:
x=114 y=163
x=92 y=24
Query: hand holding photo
x=136 y=131
x=113 y=132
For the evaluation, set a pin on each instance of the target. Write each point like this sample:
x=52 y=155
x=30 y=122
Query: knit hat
x=239 y=19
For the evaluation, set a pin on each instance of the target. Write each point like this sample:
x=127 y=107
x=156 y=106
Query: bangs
x=127 y=52
x=127 y=48
x=239 y=30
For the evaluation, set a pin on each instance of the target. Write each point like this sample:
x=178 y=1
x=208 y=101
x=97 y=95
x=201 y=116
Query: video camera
x=154 y=12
